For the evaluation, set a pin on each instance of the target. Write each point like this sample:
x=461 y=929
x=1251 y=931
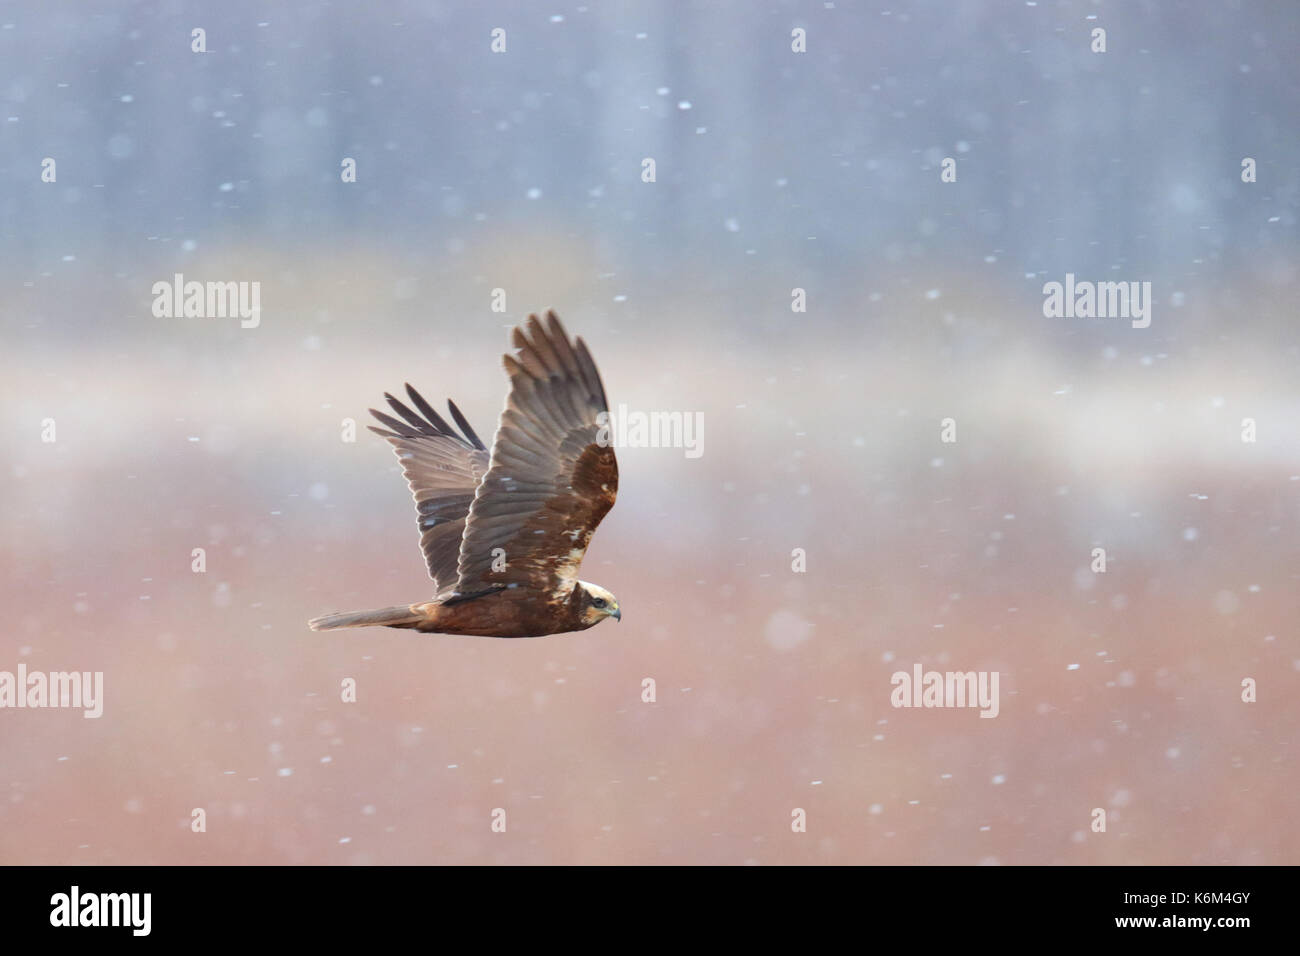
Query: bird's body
x=508 y=612
x=503 y=533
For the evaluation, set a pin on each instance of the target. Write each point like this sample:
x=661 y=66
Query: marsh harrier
x=503 y=533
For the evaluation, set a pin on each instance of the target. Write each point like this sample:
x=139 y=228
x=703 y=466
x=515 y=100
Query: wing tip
x=459 y=418
x=555 y=326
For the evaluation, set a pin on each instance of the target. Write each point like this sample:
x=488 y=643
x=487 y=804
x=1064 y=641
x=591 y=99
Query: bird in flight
x=503 y=533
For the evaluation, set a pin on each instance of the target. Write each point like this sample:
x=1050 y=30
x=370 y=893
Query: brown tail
x=400 y=616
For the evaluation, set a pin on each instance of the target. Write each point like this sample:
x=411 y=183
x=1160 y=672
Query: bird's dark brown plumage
x=503 y=533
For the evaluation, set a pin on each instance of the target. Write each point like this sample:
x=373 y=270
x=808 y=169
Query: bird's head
x=597 y=604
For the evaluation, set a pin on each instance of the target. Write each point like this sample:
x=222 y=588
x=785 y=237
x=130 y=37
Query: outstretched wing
x=442 y=469
x=553 y=475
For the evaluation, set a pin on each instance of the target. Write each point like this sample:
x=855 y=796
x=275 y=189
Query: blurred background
x=775 y=171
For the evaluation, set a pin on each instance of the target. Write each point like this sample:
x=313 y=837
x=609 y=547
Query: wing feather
x=443 y=470
x=550 y=480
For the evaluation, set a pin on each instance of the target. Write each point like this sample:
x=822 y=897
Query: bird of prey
x=503 y=533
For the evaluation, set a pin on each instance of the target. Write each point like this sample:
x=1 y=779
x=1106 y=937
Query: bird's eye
x=597 y=602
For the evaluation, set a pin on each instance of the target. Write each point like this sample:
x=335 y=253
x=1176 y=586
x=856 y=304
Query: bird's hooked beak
x=617 y=613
